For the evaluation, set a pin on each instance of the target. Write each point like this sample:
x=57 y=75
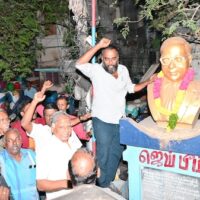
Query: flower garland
x=173 y=117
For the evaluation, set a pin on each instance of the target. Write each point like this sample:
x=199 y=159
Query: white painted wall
x=53 y=51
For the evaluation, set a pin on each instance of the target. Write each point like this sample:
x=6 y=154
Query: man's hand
x=4 y=193
x=85 y=58
x=39 y=97
x=85 y=116
x=46 y=86
x=142 y=85
x=104 y=42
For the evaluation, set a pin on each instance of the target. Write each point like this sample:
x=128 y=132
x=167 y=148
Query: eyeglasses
x=4 y=120
x=177 y=60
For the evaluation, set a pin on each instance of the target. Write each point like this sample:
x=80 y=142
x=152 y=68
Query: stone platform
x=148 y=135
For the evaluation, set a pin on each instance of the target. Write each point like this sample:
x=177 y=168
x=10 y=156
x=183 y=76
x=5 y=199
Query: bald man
x=23 y=161
x=83 y=168
x=83 y=172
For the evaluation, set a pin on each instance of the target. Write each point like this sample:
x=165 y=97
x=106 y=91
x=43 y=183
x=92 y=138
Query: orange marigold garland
x=172 y=114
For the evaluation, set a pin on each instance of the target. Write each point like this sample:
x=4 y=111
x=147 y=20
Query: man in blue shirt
x=18 y=167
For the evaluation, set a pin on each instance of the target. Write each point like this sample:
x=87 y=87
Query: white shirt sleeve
x=37 y=129
x=87 y=69
x=129 y=84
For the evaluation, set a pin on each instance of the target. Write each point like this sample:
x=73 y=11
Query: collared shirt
x=53 y=155
x=109 y=92
x=20 y=175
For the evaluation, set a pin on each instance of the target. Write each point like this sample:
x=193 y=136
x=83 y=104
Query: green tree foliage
x=169 y=17
x=21 y=22
x=173 y=16
x=123 y=25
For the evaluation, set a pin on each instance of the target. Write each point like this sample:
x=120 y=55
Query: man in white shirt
x=52 y=164
x=111 y=82
x=55 y=146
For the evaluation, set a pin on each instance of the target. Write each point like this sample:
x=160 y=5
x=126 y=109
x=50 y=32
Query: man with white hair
x=55 y=146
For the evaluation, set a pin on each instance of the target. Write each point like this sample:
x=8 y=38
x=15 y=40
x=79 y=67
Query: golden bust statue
x=174 y=97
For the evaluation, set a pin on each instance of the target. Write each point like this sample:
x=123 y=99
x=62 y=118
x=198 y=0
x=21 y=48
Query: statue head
x=175 y=58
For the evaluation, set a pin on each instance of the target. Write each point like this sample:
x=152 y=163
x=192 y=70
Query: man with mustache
x=18 y=167
x=111 y=82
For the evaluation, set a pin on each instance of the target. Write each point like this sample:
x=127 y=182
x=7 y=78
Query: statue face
x=175 y=62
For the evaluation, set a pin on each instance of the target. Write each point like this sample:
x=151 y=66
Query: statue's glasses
x=168 y=60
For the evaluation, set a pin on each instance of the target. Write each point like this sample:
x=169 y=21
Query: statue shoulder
x=150 y=87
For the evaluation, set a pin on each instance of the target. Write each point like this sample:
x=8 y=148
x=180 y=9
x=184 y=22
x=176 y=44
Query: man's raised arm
x=26 y=121
x=85 y=58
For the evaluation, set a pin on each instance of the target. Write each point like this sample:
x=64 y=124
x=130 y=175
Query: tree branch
x=195 y=12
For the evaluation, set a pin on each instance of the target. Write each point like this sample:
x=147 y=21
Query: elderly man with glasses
x=55 y=145
x=174 y=97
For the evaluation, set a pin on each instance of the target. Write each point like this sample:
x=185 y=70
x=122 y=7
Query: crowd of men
x=36 y=152
x=53 y=144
